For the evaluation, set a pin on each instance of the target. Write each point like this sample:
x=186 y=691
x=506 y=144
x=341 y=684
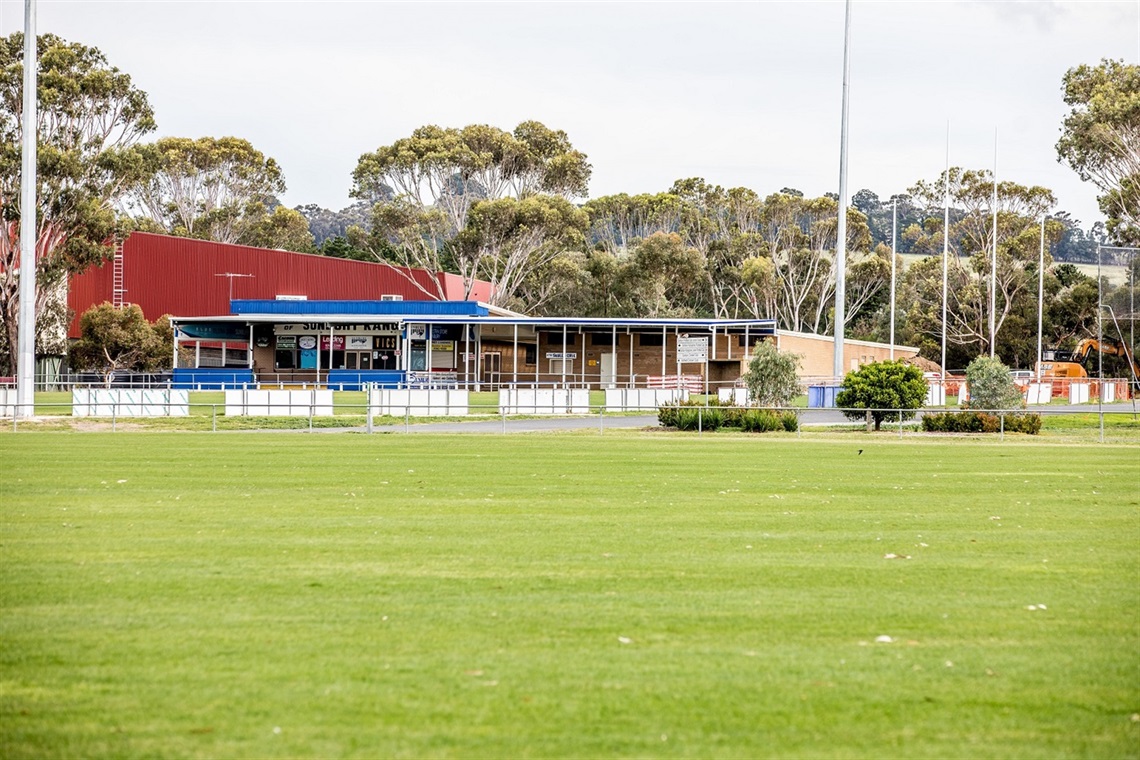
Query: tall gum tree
x=88 y=116
x=423 y=188
x=1100 y=140
x=215 y=188
x=971 y=239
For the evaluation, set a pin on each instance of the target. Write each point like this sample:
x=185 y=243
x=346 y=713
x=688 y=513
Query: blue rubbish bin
x=822 y=396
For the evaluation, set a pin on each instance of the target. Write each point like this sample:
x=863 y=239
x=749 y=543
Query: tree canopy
x=215 y=188
x=1100 y=139
x=89 y=114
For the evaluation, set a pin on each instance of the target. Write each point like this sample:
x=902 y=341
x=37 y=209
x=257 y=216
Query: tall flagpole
x=26 y=329
x=945 y=245
x=993 y=257
x=841 y=239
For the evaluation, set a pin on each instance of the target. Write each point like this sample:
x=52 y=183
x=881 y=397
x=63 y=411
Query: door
x=609 y=371
x=492 y=369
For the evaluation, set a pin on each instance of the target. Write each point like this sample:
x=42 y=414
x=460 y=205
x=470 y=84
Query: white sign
x=359 y=342
x=561 y=355
x=368 y=328
x=417 y=331
x=692 y=350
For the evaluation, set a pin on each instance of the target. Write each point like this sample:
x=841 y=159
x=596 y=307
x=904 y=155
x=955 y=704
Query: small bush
x=693 y=415
x=981 y=422
x=991 y=385
x=759 y=421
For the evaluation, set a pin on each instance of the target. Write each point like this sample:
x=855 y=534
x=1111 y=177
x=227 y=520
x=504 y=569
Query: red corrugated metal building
x=190 y=278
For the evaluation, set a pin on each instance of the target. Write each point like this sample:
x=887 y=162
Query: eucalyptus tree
x=89 y=114
x=1100 y=140
x=215 y=188
x=1020 y=209
x=423 y=189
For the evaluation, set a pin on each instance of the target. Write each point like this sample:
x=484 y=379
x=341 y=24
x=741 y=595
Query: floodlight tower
x=26 y=327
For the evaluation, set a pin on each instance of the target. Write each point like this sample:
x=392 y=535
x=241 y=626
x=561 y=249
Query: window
x=531 y=354
x=650 y=339
x=555 y=339
x=601 y=339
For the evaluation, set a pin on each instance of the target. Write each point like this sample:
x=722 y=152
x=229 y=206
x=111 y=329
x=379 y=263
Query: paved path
x=552 y=423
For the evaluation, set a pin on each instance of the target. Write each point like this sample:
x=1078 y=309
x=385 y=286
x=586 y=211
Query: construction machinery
x=1080 y=362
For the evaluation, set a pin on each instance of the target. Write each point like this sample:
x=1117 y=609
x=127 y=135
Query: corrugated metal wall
x=185 y=278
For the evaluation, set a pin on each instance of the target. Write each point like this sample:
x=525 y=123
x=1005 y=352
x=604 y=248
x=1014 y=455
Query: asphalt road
x=601 y=423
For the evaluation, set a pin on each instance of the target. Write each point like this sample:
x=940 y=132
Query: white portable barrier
x=963 y=394
x=418 y=403
x=638 y=399
x=117 y=402
x=256 y=403
x=544 y=401
x=1107 y=392
x=1078 y=393
x=1038 y=393
x=936 y=394
x=734 y=396
x=7 y=402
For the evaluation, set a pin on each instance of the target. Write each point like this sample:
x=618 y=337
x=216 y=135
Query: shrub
x=991 y=385
x=884 y=386
x=759 y=421
x=771 y=376
x=690 y=415
x=981 y=422
x=693 y=415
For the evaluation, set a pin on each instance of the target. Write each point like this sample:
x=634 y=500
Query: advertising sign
x=561 y=354
x=306 y=342
x=337 y=343
x=417 y=331
x=359 y=342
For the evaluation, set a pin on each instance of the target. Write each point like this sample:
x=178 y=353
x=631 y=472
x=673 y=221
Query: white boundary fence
x=443 y=402
x=115 y=402
x=249 y=403
x=544 y=401
x=640 y=399
x=734 y=396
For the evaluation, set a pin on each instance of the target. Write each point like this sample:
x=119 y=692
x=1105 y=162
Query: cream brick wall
x=818 y=352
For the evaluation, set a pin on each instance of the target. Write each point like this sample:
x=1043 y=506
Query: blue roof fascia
x=761 y=325
x=372 y=308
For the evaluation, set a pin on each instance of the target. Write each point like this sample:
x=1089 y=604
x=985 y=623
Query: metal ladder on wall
x=117 y=289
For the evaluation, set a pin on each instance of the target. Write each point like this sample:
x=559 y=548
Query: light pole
x=894 y=244
x=993 y=257
x=26 y=327
x=841 y=238
x=1040 y=294
x=945 y=252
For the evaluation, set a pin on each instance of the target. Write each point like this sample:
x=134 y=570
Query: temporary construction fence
x=691 y=383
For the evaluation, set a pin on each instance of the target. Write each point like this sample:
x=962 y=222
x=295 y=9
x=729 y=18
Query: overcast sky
x=744 y=93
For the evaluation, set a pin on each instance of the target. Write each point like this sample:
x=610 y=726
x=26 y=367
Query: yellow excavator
x=1079 y=362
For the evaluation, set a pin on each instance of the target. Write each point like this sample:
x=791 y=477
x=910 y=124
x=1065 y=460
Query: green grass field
x=649 y=595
